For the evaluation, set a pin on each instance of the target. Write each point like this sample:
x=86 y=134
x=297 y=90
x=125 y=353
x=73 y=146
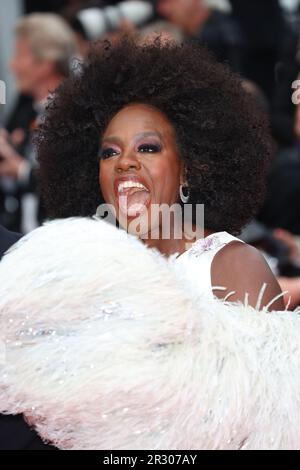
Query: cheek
x=21 y=66
x=28 y=64
x=166 y=178
x=28 y=71
x=105 y=180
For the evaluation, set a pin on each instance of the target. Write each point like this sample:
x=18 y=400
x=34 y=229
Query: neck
x=42 y=91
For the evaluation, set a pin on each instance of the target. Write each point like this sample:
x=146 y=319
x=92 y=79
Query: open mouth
x=133 y=197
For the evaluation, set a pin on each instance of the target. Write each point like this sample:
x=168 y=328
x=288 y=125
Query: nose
x=127 y=161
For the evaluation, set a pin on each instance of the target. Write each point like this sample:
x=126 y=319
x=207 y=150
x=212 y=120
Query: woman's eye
x=107 y=153
x=149 y=148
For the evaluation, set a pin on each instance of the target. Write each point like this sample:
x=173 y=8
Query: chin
x=23 y=88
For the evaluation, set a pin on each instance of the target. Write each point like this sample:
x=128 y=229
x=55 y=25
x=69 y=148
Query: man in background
x=44 y=49
x=210 y=27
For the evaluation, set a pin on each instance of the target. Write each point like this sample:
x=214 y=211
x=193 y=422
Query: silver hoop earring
x=97 y=214
x=184 y=198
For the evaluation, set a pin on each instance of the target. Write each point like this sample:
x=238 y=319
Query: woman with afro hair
x=146 y=125
x=115 y=341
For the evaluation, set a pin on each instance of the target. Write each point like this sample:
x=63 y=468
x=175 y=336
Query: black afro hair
x=222 y=137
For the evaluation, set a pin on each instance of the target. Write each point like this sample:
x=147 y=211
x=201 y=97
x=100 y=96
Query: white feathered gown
x=102 y=348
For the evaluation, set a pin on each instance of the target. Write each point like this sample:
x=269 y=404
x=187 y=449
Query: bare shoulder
x=241 y=268
x=237 y=254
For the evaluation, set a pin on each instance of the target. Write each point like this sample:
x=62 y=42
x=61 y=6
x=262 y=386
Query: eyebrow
x=116 y=139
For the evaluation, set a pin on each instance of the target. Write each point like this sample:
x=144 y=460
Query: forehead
x=135 y=118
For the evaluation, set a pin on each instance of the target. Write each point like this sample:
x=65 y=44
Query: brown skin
x=239 y=267
x=161 y=171
x=242 y=269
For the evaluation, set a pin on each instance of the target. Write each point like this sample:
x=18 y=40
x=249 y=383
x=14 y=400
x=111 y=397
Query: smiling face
x=139 y=162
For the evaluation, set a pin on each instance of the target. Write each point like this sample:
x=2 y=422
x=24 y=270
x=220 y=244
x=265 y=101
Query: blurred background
x=41 y=42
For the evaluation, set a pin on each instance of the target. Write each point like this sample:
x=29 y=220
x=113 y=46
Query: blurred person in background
x=44 y=48
x=271 y=60
x=281 y=208
x=264 y=33
x=97 y=19
x=280 y=247
x=211 y=27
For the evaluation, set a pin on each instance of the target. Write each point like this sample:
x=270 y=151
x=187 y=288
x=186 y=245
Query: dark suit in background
x=7 y=239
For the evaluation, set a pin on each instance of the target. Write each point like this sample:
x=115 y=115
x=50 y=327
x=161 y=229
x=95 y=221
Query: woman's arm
x=241 y=269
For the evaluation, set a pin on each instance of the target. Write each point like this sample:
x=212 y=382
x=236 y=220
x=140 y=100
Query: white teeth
x=130 y=184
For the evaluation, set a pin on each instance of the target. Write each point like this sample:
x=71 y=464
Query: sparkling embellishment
x=206 y=244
